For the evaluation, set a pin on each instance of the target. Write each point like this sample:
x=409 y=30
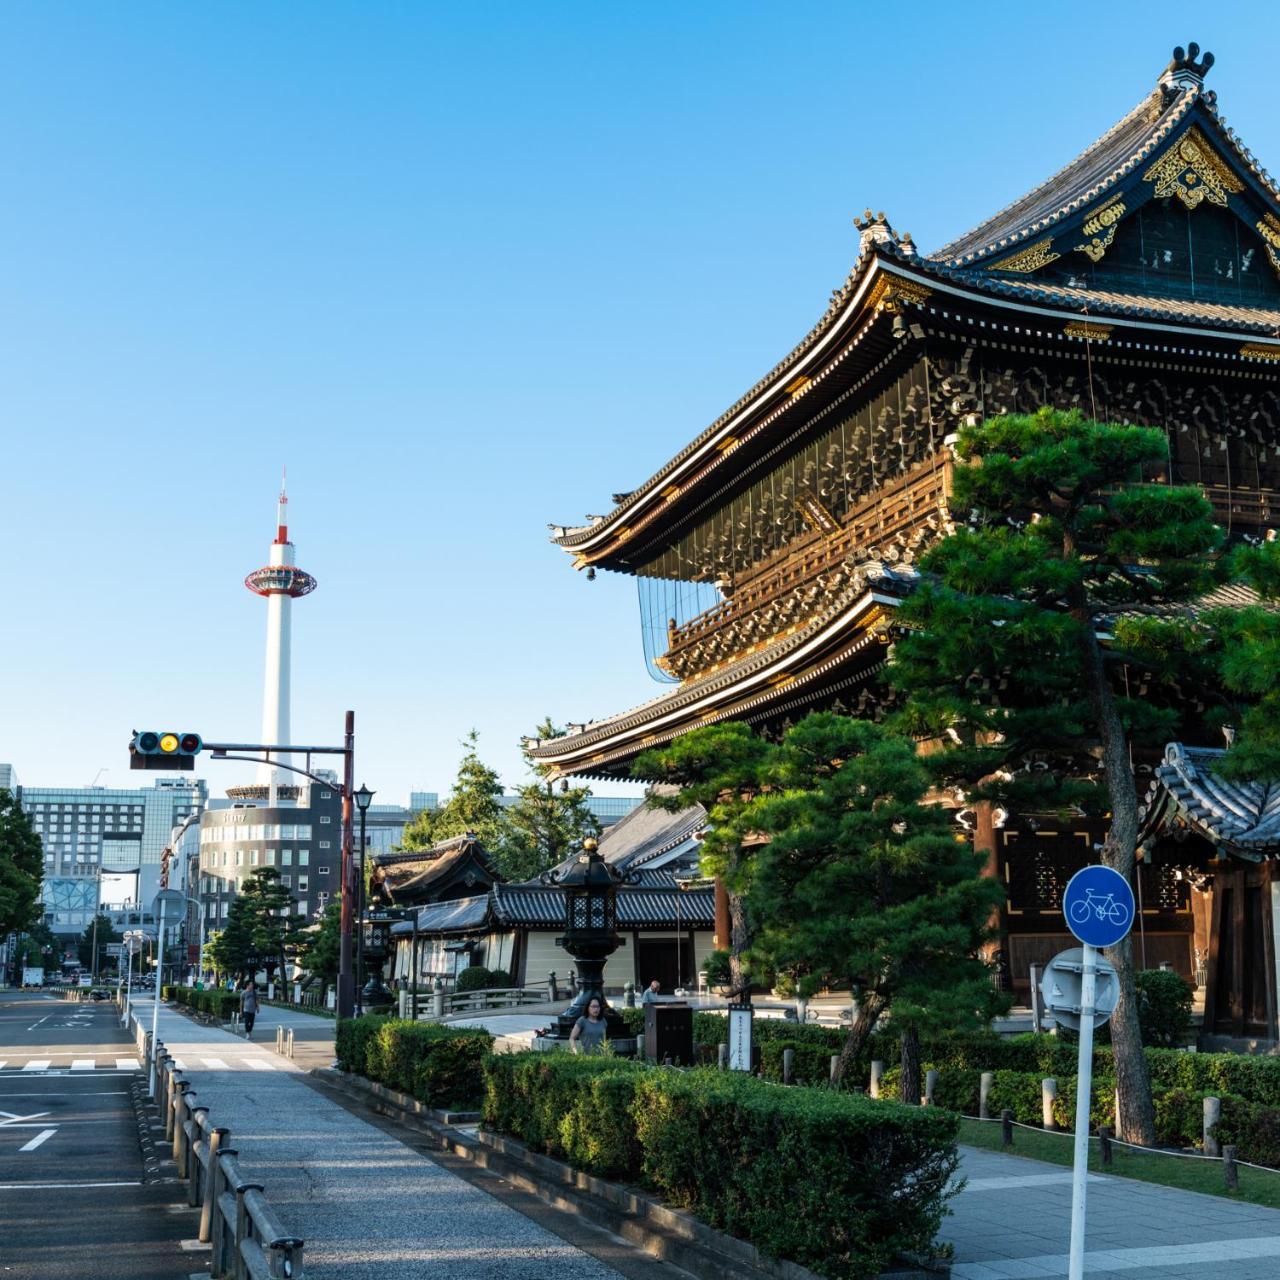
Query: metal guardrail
x=248 y=1239
x=441 y=1004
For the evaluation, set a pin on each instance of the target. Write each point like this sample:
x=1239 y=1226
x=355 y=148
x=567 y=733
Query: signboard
x=740 y=1037
x=1098 y=906
x=1062 y=983
x=115 y=949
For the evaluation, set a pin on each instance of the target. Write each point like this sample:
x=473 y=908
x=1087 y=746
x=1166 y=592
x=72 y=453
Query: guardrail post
x=170 y=1088
x=1006 y=1128
x=877 y=1075
x=986 y=1082
x=195 y=1177
x=1230 y=1170
x=1048 y=1096
x=244 y=1225
x=284 y=1259
x=1104 y=1142
x=1212 y=1114
x=217 y=1137
x=181 y=1089
x=217 y=1224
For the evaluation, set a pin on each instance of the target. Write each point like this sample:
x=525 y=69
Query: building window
x=324 y=819
x=286 y=857
x=324 y=795
x=287 y=881
x=324 y=844
x=302 y=884
x=304 y=856
x=253 y=857
x=322 y=871
x=239 y=857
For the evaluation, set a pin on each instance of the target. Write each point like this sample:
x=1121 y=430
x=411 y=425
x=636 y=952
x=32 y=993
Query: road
x=73 y=1204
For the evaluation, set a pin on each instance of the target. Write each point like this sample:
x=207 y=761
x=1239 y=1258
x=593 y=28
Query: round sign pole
x=1098 y=906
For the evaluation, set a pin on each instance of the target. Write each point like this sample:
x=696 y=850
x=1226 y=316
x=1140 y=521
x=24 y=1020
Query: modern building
x=1140 y=283
x=103 y=845
x=8 y=779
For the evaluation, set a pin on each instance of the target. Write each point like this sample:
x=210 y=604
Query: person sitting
x=651 y=992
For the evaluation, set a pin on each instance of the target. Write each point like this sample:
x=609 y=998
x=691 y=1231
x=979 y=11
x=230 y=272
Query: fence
x=248 y=1239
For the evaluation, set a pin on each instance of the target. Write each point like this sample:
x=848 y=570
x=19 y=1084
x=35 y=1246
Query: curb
x=630 y=1213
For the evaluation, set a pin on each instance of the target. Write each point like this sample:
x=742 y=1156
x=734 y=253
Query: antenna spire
x=282 y=509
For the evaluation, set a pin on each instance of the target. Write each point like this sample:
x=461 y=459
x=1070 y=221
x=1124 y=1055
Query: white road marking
x=258 y=1064
x=216 y=1063
x=38 y=1064
x=43 y=1136
x=122 y=1064
x=59 y=1186
x=2 y=1062
x=1128 y=1259
x=83 y=1064
x=15 y=1121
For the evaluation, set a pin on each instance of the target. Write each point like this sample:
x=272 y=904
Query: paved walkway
x=367 y=1206
x=1013 y=1222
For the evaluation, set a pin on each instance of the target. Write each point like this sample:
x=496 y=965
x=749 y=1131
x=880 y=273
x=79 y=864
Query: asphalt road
x=72 y=1201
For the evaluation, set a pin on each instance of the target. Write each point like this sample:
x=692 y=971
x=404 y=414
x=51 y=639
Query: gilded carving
x=1102 y=227
x=1193 y=171
x=1260 y=351
x=1269 y=230
x=1032 y=258
x=890 y=292
x=1088 y=329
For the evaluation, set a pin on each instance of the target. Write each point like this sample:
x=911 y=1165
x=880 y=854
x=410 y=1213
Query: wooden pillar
x=984 y=841
x=1270 y=897
x=722 y=935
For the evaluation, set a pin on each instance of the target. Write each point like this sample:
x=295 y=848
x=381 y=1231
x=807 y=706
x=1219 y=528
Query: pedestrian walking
x=249 y=1006
x=588 y=1032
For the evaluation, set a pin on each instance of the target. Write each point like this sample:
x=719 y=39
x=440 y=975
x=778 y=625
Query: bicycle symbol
x=1100 y=906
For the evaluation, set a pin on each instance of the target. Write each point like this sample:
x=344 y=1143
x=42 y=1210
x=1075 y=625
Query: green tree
x=546 y=823
x=21 y=868
x=231 y=951
x=1001 y=661
x=272 y=919
x=472 y=806
x=321 y=946
x=849 y=877
x=41 y=947
x=106 y=933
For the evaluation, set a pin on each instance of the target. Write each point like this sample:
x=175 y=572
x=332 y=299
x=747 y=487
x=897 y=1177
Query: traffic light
x=165 y=750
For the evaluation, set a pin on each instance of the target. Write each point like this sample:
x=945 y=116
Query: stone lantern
x=590 y=933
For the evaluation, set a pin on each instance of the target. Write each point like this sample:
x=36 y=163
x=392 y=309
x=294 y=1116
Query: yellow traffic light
x=168 y=743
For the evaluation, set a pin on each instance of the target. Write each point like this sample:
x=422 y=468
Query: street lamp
x=590 y=933
x=363 y=798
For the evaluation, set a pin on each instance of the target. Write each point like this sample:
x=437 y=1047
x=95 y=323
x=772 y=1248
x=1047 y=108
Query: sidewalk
x=367 y=1206
x=1013 y=1222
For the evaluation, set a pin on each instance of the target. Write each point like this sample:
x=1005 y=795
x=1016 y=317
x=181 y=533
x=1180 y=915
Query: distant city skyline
x=466 y=271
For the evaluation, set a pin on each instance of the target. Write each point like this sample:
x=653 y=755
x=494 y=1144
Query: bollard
x=788 y=1066
x=1006 y=1128
x=288 y=1044
x=1230 y=1170
x=629 y=995
x=280 y=1039
x=986 y=1082
x=930 y=1084
x=1037 y=1018
x=216 y=1138
x=833 y=1071
x=551 y=986
x=1048 y=1096
x=1104 y=1142
x=1212 y=1114
x=723 y=1056
x=437 y=1004
x=877 y=1075
x=402 y=1003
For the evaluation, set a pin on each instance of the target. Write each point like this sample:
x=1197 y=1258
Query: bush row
x=217 y=1001
x=835 y=1182
x=477 y=978
x=438 y=1065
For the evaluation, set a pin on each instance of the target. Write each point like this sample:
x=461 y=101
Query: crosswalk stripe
x=2 y=1062
x=83 y=1064
x=127 y=1064
x=216 y=1063
x=37 y=1064
x=258 y=1064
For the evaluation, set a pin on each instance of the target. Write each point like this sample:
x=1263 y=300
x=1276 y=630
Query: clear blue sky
x=467 y=269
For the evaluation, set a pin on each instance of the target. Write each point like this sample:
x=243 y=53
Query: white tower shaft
x=275 y=684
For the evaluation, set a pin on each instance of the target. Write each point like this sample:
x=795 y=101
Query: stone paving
x=1013 y=1222
x=367 y=1206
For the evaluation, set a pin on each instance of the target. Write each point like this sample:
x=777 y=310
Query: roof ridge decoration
x=1193 y=171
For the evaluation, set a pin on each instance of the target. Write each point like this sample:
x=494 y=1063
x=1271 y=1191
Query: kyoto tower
x=281 y=581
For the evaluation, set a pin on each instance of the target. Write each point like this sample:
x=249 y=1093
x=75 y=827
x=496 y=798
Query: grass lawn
x=1257 y=1186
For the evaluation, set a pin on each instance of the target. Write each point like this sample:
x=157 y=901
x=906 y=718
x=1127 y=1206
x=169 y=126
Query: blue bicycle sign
x=1098 y=906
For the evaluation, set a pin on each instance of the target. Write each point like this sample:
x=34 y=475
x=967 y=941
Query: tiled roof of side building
x=536 y=906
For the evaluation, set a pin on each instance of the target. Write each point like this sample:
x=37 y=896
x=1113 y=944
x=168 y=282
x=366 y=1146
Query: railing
x=443 y=1004
x=248 y=1239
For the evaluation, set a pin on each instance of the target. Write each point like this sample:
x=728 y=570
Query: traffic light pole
x=262 y=754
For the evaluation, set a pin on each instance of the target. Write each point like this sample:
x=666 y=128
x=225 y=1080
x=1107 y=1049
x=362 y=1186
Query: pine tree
x=848 y=876
x=545 y=824
x=472 y=806
x=21 y=867
x=272 y=919
x=231 y=950
x=320 y=948
x=1001 y=659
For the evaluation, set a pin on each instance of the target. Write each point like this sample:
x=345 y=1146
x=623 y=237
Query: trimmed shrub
x=475 y=978
x=837 y=1183
x=1164 y=1007
x=716 y=967
x=1179 y=1117
x=812 y=1062
x=438 y=1065
x=215 y=1001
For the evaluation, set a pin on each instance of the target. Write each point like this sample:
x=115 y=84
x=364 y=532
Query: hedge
x=438 y=1065
x=477 y=978
x=217 y=1001
x=835 y=1182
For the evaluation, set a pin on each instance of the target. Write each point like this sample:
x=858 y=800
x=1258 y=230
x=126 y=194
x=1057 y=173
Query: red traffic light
x=190 y=744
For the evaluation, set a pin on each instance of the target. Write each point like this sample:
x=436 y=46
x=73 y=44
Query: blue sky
x=466 y=269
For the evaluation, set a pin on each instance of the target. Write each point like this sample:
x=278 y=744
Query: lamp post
x=375 y=995
x=590 y=934
x=363 y=798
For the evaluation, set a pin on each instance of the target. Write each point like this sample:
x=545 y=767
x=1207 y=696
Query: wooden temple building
x=1140 y=283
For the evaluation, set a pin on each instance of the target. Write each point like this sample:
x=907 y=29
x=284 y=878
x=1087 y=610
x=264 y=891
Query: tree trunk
x=869 y=1011
x=739 y=939
x=909 y=1056
x=1135 y=1110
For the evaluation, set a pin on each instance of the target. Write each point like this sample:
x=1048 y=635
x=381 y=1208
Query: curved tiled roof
x=1241 y=817
x=538 y=906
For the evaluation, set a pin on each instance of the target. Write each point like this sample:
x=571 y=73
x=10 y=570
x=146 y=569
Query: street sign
x=740 y=1037
x=1098 y=906
x=1060 y=989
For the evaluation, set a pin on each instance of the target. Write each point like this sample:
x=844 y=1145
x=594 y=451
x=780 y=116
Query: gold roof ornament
x=1194 y=172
